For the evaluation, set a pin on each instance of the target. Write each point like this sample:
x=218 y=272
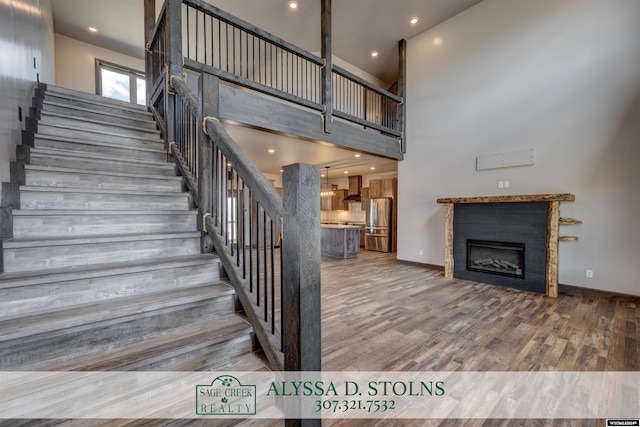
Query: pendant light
x=326 y=189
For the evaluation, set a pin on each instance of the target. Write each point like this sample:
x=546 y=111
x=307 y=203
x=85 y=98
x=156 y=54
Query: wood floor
x=380 y=315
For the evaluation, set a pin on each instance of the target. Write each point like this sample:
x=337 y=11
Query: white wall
x=26 y=34
x=562 y=77
x=76 y=67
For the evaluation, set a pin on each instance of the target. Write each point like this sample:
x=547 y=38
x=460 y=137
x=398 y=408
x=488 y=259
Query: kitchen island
x=339 y=241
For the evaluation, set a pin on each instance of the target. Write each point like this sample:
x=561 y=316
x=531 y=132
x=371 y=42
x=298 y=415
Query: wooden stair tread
x=68 y=212
x=181 y=339
x=567 y=238
x=99 y=100
x=77 y=240
x=36 y=188
x=94 y=172
x=159 y=149
x=53 y=103
x=59 y=152
x=45 y=115
x=112 y=310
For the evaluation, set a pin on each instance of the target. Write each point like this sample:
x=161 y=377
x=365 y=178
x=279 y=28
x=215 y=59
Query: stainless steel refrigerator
x=377 y=235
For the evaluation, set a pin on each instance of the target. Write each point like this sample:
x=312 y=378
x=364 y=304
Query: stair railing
x=269 y=245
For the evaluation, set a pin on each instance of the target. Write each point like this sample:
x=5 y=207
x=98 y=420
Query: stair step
x=42 y=254
x=123 y=138
x=46 y=176
x=18 y=302
x=99 y=199
x=42 y=277
x=89 y=161
x=84 y=316
x=93 y=125
x=100 y=328
x=166 y=348
x=142 y=121
x=97 y=147
x=35 y=223
x=92 y=101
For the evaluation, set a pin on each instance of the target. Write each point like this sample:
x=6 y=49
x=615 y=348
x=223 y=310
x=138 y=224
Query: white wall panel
x=559 y=77
x=26 y=54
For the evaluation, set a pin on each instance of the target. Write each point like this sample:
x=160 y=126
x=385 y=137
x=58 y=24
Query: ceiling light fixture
x=414 y=20
x=372 y=168
x=374 y=54
x=93 y=29
x=271 y=150
x=326 y=189
x=437 y=41
x=357 y=155
x=293 y=4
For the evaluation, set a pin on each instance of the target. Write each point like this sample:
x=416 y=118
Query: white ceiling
x=358 y=26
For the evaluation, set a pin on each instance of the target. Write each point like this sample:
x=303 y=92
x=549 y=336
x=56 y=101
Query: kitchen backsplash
x=354 y=214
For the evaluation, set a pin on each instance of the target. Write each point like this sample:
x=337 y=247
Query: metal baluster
x=237 y=227
x=250 y=242
x=258 y=254
x=264 y=248
x=273 y=284
x=231 y=172
x=244 y=246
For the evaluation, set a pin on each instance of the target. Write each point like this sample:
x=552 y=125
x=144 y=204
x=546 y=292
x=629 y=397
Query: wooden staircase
x=104 y=271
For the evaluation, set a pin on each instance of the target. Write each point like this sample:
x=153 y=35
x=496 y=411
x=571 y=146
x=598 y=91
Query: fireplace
x=506 y=259
x=482 y=229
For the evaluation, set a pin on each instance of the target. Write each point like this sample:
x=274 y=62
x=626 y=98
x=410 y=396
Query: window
x=118 y=82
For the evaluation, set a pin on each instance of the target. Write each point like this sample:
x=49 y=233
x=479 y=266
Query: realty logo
x=226 y=396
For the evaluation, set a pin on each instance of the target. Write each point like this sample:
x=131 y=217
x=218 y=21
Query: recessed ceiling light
x=281 y=170
x=293 y=4
x=271 y=150
x=357 y=155
x=437 y=41
x=374 y=53
x=93 y=29
x=321 y=175
x=372 y=168
x=414 y=20
x=346 y=172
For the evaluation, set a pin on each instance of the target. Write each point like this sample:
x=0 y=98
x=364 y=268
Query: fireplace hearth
x=501 y=258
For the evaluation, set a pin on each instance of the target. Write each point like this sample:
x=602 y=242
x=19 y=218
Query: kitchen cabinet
x=375 y=188
x=340 y=241
x=382 y=188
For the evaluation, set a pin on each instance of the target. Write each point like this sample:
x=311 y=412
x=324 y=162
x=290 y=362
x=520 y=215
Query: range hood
x=355 y=188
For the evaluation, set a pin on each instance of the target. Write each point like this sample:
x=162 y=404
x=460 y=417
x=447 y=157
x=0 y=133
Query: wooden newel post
x=301 y=273
x=208 y=86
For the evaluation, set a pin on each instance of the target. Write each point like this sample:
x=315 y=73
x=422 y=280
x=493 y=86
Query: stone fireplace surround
x=531 y=220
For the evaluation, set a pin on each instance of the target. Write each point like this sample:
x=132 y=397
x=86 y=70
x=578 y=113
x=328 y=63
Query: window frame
x=132 y=73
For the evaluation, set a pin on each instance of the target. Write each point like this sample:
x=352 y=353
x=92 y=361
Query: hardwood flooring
x=380 y=315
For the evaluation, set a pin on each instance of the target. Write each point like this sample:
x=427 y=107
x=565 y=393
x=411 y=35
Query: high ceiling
x=359 y=27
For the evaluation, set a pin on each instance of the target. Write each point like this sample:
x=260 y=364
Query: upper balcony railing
x=240 y=53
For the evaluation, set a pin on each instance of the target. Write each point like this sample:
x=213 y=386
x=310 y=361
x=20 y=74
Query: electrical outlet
x=500 y=184
x=590 y=274
x=506 y=184
x=420 y=252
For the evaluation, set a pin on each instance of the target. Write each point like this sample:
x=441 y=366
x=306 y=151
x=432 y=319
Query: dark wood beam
x=260 y=112
x=327 y=82
x=402 y=93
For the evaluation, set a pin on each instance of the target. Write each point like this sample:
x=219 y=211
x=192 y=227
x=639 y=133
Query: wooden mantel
x=564 y=197
x=553 y=238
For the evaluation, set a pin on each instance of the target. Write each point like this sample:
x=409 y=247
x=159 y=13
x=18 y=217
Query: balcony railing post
x=327 y=70
x=402 y=93
x=149 y=25
x=208 y=88
x=174 y=36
